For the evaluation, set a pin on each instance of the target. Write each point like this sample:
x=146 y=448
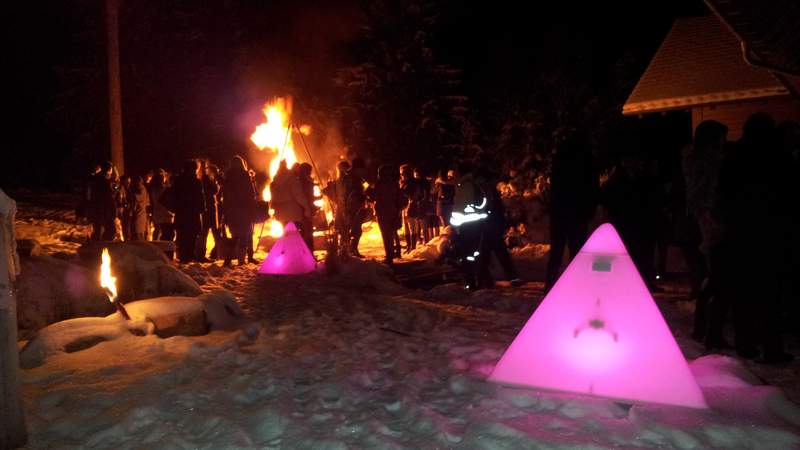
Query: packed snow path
x=355 y=361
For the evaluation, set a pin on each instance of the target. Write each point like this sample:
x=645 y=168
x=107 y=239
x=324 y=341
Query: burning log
x=109 y=284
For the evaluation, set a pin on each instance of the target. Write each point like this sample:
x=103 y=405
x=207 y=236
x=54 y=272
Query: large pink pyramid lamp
x=289 y=255
x=599 y=332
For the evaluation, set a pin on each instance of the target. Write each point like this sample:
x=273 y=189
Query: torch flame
x=108 y=281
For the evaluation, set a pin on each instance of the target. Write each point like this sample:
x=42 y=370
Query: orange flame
x=108 y=281
x=276 y=229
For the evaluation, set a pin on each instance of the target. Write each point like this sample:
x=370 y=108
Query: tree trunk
x=13 y=433
x=114 y=85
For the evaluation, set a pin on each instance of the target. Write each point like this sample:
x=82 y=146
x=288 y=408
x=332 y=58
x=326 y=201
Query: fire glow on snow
x=599 y=332
x=289 y=255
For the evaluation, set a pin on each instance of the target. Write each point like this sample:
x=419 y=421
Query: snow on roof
x=699 y=62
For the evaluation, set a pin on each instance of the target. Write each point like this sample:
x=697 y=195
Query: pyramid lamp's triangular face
x=599 y=332
x=289 y=255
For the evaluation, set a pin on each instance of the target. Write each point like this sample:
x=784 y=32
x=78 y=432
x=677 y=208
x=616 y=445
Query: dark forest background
x=425 y=82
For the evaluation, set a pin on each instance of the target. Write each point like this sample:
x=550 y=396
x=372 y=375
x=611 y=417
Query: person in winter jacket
x=336 y=192
x=573 y=200
x=444 y=191
x=288 y=200
x=354 y=202
x=493 y=241
x=468 y=220
x=389 y=203
x=164 y=229
x=187 y=203
x=139 y=203
x=101 y=204
x=210 y=216
x=238 y=202
x=701 y=166
x=753 y=205
x=303 y=174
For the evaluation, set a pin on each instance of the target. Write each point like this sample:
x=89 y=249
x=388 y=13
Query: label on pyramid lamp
x=289 y=255
x=599 y=332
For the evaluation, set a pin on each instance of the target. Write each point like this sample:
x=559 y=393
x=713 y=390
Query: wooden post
x=114 y=85
x=13 y=433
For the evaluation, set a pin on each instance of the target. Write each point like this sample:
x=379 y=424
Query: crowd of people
x=731 y=207
x=183 y=207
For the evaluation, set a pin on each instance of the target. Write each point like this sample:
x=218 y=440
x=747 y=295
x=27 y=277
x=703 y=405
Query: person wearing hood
x=139 y=202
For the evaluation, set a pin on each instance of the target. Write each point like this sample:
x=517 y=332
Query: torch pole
x=122 y=310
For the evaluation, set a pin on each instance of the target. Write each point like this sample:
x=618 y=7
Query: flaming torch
x=109 y=283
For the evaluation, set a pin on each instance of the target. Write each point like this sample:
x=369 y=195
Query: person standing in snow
x=355 y=199
x=187 y=201
x=753 y=205
x=238 y=203
x=468 y=220
x=164 y=229
x=444 y=191
x=389 y=203
x=701 y=166
x=290 y=203
x=493 y=242
x=573 y=200
x=102 y=205
x=337 y=195
x=139 y=204
x=307 y=189
x=209 y=216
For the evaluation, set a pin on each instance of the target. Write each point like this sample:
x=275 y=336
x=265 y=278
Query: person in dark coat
x=753 y=205
x=354 y=203
x=629 y=207
x=101 y=204
x=164 y=228
x=494 y=231
x=389 y=203
x=209 y=216
x=125 y=203
x=238 y=203
x=139 y=204
x=701 y=168
x=413 y=214
x=337 y=194
x=573 y=200
x=468 y=220
x=444 y=191
x=187 y=192
x=303 y=173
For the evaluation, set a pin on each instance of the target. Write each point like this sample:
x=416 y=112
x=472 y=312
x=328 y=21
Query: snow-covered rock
x=162 y=316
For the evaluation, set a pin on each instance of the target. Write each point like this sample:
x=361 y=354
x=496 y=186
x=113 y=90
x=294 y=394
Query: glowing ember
x=276 y=229
x=108 y=281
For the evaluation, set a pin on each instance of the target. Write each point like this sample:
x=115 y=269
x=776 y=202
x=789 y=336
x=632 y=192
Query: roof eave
x=667 y=104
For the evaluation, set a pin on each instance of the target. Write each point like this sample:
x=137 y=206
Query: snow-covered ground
x=357 y=361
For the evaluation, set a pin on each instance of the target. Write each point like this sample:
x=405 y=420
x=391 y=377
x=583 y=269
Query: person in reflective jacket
x=468 y=219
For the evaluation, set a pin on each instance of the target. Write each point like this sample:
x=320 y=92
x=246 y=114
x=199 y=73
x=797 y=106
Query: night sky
x=195 y=74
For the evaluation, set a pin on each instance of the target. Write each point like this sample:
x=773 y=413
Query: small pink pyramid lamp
x=289 y=255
